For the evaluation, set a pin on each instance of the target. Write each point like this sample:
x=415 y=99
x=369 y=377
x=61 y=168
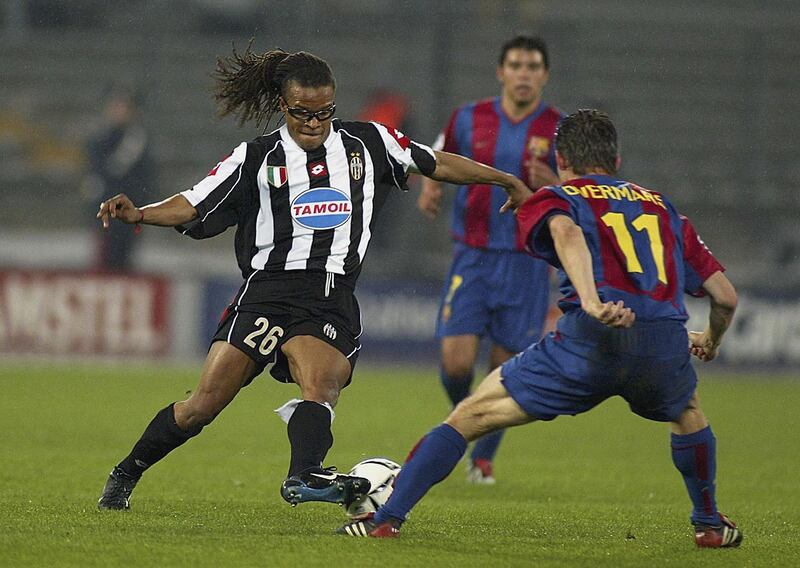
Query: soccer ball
x=381 y=474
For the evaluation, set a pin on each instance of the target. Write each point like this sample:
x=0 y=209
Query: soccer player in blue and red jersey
x=626 y=257
x=493 y=288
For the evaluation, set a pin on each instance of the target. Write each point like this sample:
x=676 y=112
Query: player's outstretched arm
x=576 y=259
x=705 y=345
x=171 y=212
x=456 y=169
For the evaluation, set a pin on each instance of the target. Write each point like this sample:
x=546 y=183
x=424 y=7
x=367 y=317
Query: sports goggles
x=306 y=115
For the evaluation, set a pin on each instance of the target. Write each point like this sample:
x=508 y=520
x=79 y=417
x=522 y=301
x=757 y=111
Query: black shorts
x=270 y=309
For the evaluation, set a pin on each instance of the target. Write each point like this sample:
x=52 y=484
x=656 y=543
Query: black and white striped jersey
x=298 y=210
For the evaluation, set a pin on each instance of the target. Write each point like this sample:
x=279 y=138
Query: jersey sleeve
x=698 y=262
x=218 y=197
x=405 y=155
x=532 y=218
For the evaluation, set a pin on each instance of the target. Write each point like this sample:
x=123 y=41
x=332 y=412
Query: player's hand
x=702 y=347
x=612 y=314
x=429 y=201
x=540 y=174
x=518 y=193
x=118 y=207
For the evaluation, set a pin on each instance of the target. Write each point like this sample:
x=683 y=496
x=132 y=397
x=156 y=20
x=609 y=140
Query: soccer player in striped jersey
x=304 y=199
x=626 y=257
x=493 y=289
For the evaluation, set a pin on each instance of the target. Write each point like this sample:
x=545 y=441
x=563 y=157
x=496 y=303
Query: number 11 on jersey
x=645 y=222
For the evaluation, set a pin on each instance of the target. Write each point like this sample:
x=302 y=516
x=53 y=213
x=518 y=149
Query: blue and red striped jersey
x=482 y=131
x=643 y=251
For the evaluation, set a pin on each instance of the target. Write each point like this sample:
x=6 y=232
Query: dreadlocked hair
x=250 y=85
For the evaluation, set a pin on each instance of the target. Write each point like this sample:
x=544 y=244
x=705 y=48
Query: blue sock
x=429 y=462
x=486 y=447
x=457 y=388
x=695 y=456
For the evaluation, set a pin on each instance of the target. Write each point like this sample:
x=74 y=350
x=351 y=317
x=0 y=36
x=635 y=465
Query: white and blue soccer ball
x=381 y=473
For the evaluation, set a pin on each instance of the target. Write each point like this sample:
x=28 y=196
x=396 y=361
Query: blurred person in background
x=387 y=107
x=304 y=199
x=119 y=161
x=493 y=289
x=390 y=107
x=626 y=257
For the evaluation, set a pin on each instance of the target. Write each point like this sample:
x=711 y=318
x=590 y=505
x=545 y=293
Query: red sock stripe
x=414 y=449
x=701 y=466
x=701 y=461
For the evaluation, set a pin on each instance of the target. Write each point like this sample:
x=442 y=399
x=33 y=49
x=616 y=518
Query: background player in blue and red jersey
x=493 y=288
x=625 y=257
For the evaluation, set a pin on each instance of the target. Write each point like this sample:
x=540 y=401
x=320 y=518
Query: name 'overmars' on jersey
x=624 y=191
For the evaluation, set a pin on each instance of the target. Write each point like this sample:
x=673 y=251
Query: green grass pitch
x=596 y=490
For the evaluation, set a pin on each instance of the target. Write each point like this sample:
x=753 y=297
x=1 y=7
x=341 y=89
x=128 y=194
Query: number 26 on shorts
x=269 y=341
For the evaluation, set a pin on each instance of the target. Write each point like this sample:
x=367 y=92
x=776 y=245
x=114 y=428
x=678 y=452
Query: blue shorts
x=583 y=363
x=500 y=293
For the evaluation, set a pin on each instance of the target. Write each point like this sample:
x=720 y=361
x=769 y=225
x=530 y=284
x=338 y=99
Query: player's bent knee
x=458 y=358
x=189 y=419
x=691 y=420
x=457 y=367
x=199 y=410
x=201 y=419
x=470 y=418
x=321 y=389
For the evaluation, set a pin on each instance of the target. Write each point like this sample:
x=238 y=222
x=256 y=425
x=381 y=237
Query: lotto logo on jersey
x=317 y=169
x=321 y=208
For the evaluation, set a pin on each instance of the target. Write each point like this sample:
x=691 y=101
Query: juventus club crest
x=356 y=166
x=276 y=175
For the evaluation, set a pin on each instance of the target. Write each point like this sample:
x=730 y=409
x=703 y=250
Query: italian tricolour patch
x=321 y=208
x=276 y=175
